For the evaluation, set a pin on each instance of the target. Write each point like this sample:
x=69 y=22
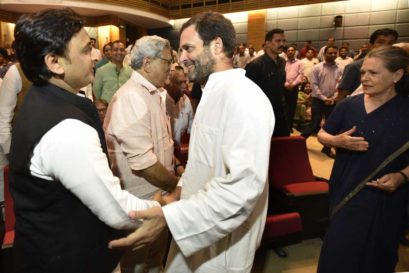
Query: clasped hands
x=153 y=224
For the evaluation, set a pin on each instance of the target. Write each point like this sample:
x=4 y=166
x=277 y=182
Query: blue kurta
x=364 y=235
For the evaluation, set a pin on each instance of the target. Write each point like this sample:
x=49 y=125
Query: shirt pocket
x=205 y=144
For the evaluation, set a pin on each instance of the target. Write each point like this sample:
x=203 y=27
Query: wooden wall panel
x=256 y=28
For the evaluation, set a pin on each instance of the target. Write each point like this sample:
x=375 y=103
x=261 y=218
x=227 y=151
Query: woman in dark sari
x=364 y=235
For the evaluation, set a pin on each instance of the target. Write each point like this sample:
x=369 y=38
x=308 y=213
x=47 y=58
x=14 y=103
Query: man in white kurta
x=219 y=221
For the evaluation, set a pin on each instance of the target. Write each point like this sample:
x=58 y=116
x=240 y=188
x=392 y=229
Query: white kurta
x=218 y=223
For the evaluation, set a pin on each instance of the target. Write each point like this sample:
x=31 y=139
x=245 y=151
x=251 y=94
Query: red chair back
x=289 y=161
x=8 y=203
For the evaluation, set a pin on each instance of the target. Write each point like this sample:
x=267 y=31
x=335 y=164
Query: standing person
x=350 y=52
x=252 y=54
x=268 y=72
x=12 y=93
x=218 y=223
x=363 y=50
x=139 y=140
x=107 y=52
x=67 y=203
x=321 y=53
x=241 y=59
x=309 y=62
x=294 y=71
x=351 y=78
x=95 y=53
x=5 y=64
x=325 y=77
x=307 y=46
x=343 y=59
x=13 y=89
x=113 y=75
x=363 y=235
x=178 y=104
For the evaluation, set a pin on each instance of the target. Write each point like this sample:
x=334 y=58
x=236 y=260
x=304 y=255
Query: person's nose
x=183 y=56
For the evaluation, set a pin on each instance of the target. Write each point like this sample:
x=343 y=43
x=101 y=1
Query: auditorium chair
x=9 y=221
x=293 y=186
x=9 y=212
x=281 y=230
x=182 y=151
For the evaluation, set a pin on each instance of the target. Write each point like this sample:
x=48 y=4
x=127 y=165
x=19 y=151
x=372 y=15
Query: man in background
x=113 y=75
x=308 y=62
x=321 y=53
x=178 y=105
x=305 y=48
x=325 y=77
x=107 y=52
x=95 y=53
x=294 y=71
x=268 y=72
x=351 y=78
x=241 y=59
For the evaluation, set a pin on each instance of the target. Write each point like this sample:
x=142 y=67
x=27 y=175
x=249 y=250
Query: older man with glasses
x=139 y=139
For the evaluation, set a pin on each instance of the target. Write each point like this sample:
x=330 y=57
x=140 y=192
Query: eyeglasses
x=168 y=61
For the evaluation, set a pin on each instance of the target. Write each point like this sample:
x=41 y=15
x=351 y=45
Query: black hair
x=270 y=34
x=107 y=44
x=383 y=32
x=42 y=33
x=330 y=46
x=4 y=53
x=211 y=25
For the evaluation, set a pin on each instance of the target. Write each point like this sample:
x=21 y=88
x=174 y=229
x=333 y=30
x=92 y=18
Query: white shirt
x=321 y=53
x=241 y=61
x=181 y=116
x=9 y=90
x=219 y=221
x=343 y=62
x=71 y=153
x=308 y=66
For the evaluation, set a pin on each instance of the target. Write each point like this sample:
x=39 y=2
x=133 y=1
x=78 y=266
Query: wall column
x=256 y=28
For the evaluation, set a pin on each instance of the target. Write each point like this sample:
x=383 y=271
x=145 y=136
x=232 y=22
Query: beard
x=202 y=66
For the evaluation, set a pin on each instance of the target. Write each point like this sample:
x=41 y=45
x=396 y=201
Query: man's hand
x=329 y=101
x=173 y=196
x=153 y=225
x=288 y=86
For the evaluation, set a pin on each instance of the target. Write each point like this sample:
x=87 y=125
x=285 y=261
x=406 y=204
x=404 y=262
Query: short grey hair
x=147 y=46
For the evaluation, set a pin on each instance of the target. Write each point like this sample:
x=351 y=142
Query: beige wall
x=360 y=19
x=315 y=22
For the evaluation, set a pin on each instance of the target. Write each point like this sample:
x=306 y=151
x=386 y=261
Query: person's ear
x=54 y=63
x=217 y=46
x=397 y=75
x=146 y=64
